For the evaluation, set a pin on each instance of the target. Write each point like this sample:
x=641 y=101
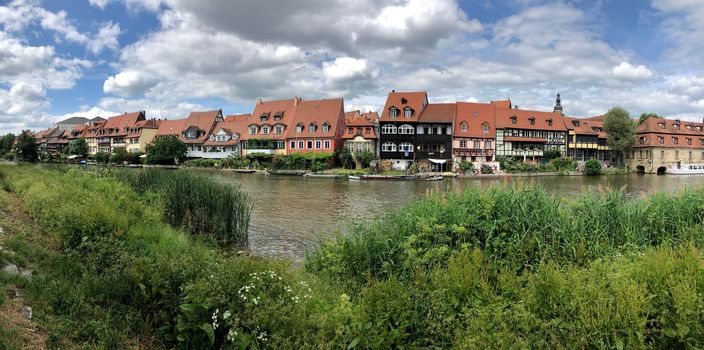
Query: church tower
x=558 y=105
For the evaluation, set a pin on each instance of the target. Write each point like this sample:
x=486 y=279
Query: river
x=292 y=214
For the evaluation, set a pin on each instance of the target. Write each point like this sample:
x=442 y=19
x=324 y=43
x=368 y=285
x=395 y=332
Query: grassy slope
x=430 y=276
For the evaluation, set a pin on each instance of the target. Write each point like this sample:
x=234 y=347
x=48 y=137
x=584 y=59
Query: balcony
x=472 y=152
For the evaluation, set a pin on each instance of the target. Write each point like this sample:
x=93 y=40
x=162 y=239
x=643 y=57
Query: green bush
x=465 y=166
x=102 y=157
x=366 y=158
x=487 y=169
x=592 y=167
x=564 y=164
x=119 y=155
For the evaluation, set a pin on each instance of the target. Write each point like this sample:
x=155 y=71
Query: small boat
x=682 y=168
x=354 y=178
x=134 y=165
x=286 y=172
x=433 y=178
x=244 y=171
x=323 y=176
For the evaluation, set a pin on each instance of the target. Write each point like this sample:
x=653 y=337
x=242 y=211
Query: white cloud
x=128 y=83
x=105 y=38
x=348 y=68
x=627 y=71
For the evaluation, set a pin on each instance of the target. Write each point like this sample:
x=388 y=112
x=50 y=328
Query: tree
x=6 y=143
x=365 y=158
x=592 y=167
x=119 y=155
x=552 y=153
x=646 y=116
x=26 y=148
x=621 y=130
x=166 y=150
x=79 y=147
x=102 y=157
x=345 y=157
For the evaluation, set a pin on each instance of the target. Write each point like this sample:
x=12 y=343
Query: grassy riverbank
x=499 y=268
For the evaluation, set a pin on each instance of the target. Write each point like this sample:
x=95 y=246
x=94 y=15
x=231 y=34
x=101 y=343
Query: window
x=405 y=129
x=675 y=140
x=264 y=117
x=309 y=144
x=642 y=140
x=463 y=143
x=531 y=120
x=388 y=129
x=327 y=144
x=299 y=128
x=367 y=131
x=487 y=145
x=662 y=125
x=252 y=130
x=359 y=131
x=388 y=147
x=265 y=130
x=689 y=141
x=278 y=129
x=477 y=145
x=662 y=154
x=690 y=155
x=311 y=127
x=405 y=147
x=676 y=125
x=191 y=135
x=280 y=144
x=350 y=130
x=661 y=140
x=514 y=120
x=326 y=127
x=393 y=113
x=292 y=145
x=485 y=127
x=300 y=144
x=317 y=144
x=464 y=126
x=407 y=112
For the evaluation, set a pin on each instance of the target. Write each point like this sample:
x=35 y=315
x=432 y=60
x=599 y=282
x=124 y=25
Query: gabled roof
x=585 y=126
x=400 y=100
x=73 y=121
x=229 y=128
x=237 y=117
x=356 y=118
x=317 y=112
x=502 y=103
x=438 y=113
x=285 y=108
x=654 y=125
x=475 y=115
x=204 y=121
x=503 y=120
x=123 y=121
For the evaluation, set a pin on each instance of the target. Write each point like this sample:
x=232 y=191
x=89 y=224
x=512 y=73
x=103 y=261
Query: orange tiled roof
x=438 y=113
x=400 y=100
x=355 y=119
x=502 y=103
x=475 y=115
x=504 y=120
x=229 y=127
x=237 y=117
x=318 y=113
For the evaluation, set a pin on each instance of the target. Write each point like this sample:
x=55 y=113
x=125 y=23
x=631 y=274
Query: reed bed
x=516 y=227
x=196 y=203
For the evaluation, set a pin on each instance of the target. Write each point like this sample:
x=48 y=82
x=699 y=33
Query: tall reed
x=195 y=202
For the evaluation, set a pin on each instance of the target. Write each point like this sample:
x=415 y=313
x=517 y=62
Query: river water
x=293 y=214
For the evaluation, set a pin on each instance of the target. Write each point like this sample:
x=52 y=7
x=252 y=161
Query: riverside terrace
x=409 y=130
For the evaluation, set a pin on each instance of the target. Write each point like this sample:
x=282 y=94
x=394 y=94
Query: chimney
x=296 y=100
x=259 y=101
x=393 y=90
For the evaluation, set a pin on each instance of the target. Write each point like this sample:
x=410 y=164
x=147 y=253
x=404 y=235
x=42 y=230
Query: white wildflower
x=226 y=315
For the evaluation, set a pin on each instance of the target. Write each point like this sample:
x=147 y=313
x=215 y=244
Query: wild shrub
x=592 y=167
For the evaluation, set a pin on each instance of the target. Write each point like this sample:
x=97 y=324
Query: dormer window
x=675 y=140
x=661 y=140
x=676 y=126
x=549 y=121
x=701 y=141
x=350 y=131
x=393 y=113
x=514 y=120
x=311 y=127
x=278 y=115
x=531 y=120
x=464 y=126
x=278 y=129
x=485 y=128
x=407 y=112
x=662 y=125
x=699 y=128
x=326 y=127
x=253 y=130
x=264 y=117
x=641 y=140
x=575 y=123
x=299 y=128
x=265 y=130
x=689 y=127
x=689 y=141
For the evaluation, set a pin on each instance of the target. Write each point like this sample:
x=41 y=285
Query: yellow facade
x=92 y=144
x=140 y=144
x=650 y=159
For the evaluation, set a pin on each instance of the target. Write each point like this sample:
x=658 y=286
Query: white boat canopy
x=438 y=161
x=72 y=156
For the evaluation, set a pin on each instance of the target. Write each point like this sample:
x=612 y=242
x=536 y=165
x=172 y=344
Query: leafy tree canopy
x=79 y=147
x=621 y=130
x=646 y=116
x=166 y=150
x=26 y=148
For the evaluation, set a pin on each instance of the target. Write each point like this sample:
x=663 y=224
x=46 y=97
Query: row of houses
x=409 y=130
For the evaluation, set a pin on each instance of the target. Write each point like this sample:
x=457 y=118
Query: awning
x=438 y=161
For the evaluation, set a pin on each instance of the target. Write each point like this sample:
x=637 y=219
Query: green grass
x=495 y=268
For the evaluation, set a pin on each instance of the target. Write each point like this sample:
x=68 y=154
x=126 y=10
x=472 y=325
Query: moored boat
x=682 y=168
x=323 y=176
x=286 y=172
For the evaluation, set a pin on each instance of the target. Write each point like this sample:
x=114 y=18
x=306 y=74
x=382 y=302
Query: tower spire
x=558 y=104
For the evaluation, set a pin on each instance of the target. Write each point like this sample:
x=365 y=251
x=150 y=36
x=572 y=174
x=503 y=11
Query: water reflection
x=292 y=214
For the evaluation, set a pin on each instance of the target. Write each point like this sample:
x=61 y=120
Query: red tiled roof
x=286 y=109
x=504 y=120
x=656 y=125
x=170 y=127
x=318 y=112
x=355 y=119
x=400 y=100
x=438 y=113
x=585 y=126
x=122 y=122
x=203 y=121
x=229 y=127
x=485 y=113
x=653 y=140
x=502 y=103
x=237 y=117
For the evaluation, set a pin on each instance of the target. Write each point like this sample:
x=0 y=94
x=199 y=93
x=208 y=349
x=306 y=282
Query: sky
x=60 y=59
